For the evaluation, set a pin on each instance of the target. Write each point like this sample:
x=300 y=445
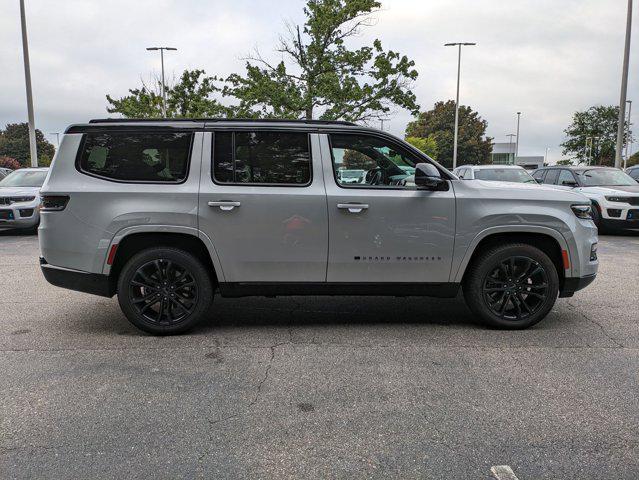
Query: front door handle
x=353 y=207
x=225 y=205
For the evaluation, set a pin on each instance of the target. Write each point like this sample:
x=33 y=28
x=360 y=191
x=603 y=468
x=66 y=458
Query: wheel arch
x=546 y=239
x=132 y=240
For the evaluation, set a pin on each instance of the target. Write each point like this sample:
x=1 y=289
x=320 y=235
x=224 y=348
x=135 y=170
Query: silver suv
x=166 y=213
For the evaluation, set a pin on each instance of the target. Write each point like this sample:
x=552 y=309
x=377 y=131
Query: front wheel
x=164 y=291
x=512 y=286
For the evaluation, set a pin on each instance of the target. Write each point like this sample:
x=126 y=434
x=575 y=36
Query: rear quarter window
x=136 y=157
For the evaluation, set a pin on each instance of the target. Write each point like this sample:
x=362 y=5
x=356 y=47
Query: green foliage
x=439 y=124
x=565 y=161
x=190 y=97
x=427 y=145
x=321 y=77
x=8 y=162
x=598 y=122
x=14 y=143
x=633 y=160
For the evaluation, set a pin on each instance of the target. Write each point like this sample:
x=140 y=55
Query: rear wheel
x=164 y=291
x=512 y=286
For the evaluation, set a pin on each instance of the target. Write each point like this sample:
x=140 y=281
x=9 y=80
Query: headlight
x=617 y=199
x=21 y=199
x=582 y=211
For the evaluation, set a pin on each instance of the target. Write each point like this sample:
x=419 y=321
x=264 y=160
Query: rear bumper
x=93 y=283
x=572 y=285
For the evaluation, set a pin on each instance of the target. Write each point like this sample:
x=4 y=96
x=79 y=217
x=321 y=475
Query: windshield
x=504 y=175
x=24 y=178
x=605 y=177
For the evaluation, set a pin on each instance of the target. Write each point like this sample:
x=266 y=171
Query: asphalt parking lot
x=318 y=387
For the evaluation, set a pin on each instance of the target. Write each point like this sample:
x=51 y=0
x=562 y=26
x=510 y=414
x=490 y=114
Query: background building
x=504 y=154
x=530 y=163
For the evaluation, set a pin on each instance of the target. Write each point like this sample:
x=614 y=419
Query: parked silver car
x=494 y=173
x=164 y=213
x=4 y=172
x=20 y=198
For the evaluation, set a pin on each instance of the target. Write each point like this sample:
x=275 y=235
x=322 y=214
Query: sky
x=545 y=58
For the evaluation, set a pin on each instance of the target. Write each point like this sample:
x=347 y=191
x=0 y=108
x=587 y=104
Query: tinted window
x=378 y=162
x=634 y=173
x=566 y=178
x=605 y=177
x=137 y=157
x=551 y=177
x=539 y=175
x=262 y=158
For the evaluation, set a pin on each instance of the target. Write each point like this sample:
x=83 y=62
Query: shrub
x=8 y=162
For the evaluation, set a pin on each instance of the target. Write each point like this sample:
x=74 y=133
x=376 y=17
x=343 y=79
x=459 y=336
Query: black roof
x=576 y=168
x=213 y=120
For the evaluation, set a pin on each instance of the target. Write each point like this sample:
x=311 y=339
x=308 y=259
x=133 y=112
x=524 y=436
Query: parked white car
x=613 y=193
x=494 y=173
x=20 y=198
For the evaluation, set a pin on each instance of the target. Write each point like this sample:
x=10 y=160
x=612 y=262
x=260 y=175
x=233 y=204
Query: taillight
x=54 y=203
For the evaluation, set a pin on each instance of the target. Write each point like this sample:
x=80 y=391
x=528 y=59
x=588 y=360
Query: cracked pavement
x=318 y=387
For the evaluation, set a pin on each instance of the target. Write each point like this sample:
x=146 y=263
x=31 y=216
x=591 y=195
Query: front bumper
x=93 y=283
x=19 y=215
x=572 y=285
x=632 y=222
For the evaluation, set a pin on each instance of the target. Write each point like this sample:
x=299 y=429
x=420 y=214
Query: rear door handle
x=353 y=207
x=225 y=205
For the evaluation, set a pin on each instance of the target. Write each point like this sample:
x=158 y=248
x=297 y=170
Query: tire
x=596 y=216
x=165 y=291
x=525 y=300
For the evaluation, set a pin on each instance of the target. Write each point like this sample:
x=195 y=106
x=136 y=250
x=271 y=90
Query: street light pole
x=510 y=147
x=460 y=45
x=57 y=137
x=27 y=79
x=517 y=144
x=624 y=89
x=161 y=49
x=546 y=156
x=625 y=161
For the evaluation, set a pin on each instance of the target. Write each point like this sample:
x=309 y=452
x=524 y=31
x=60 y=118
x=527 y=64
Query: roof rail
x=261 y=120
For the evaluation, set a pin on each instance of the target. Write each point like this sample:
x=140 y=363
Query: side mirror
x=539 y=181
x=427 y=176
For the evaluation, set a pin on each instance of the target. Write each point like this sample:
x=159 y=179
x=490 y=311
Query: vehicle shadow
x=18 y=233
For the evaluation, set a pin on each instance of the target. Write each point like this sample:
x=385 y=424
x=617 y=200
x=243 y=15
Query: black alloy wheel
x=516 y=288
x=511 y=286
x=165 y=291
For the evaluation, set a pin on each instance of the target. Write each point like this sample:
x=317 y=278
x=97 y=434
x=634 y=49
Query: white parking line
x=503 y=472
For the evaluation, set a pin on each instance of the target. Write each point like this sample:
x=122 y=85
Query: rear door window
x=262 y=158
x=137 y=157
x=551 y=177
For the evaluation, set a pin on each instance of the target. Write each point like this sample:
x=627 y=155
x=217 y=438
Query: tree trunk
x=309 y=112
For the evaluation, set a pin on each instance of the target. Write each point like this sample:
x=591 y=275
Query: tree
x=320 y=77
x=565 y=161
x=190 y=97
x=439 y=123
x=14 y=143
x=633 y=160
x=8 y=162
x=427 y=145
x=592 y=136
